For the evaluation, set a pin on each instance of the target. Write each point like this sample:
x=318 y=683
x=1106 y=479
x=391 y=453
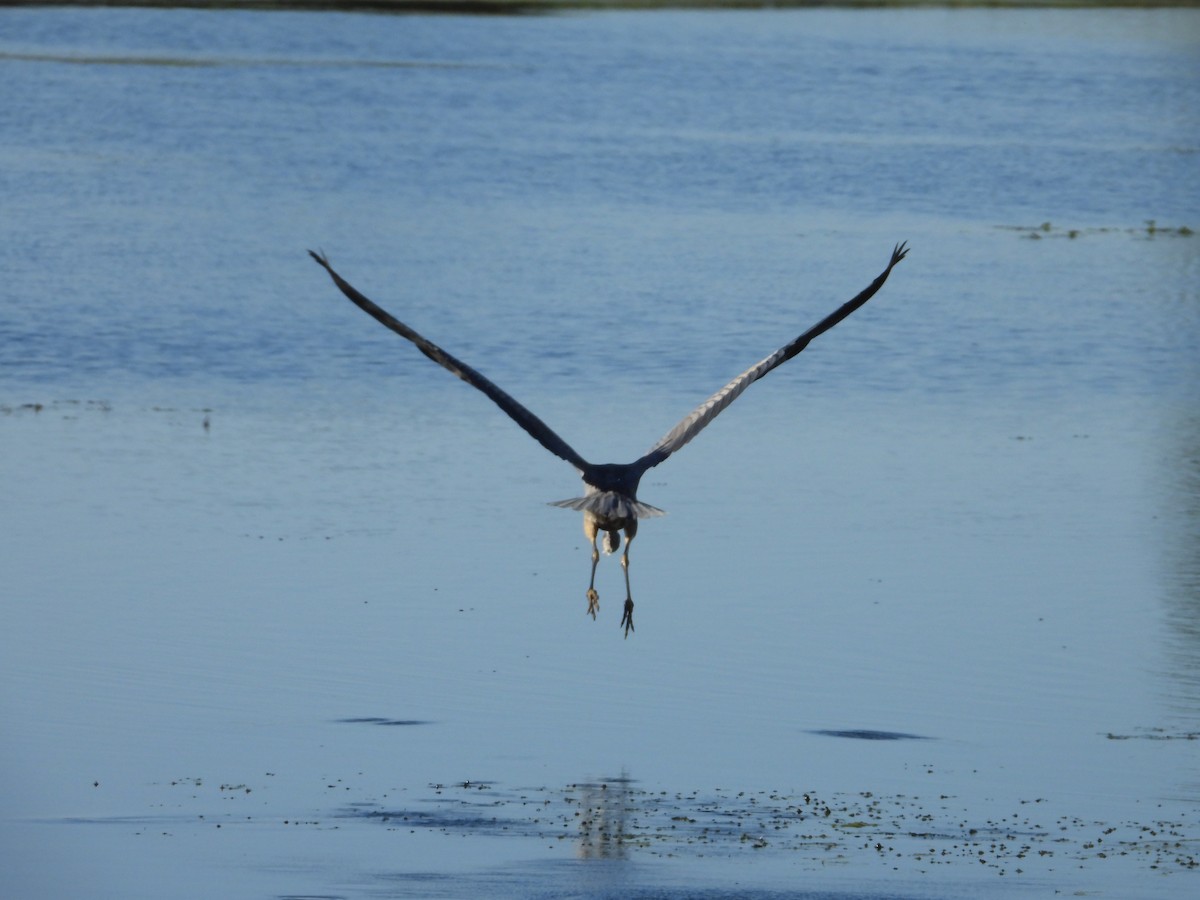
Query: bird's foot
x=627 y=617
x=593 y=603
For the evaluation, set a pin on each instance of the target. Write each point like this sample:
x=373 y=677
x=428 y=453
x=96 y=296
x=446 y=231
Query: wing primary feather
x=695 y=421
x=536 y=428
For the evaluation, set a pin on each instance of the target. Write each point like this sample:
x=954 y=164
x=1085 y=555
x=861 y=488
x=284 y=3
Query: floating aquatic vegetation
x=74 y=408
x=1155 y=734
x=611 y=818
x=1150 y=229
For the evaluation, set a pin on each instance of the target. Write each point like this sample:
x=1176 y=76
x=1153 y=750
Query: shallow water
x=284 y=613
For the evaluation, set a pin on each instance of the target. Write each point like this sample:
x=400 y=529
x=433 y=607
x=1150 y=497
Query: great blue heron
x=610 y=502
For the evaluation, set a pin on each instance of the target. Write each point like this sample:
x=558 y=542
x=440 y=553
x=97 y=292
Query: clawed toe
x=627 y=617
x=593 y=603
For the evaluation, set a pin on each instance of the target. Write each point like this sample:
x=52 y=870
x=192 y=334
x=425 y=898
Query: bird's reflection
x=604 y=806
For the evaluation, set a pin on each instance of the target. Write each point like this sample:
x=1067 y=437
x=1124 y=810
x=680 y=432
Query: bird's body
x=610 y=504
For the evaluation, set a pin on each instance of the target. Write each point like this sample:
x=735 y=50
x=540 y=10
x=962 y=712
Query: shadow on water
x=863 y=734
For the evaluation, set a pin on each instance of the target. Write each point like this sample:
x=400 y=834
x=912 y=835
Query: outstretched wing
x=537 y=429
x=698 y=418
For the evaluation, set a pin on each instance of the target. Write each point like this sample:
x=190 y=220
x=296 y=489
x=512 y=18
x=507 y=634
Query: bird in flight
x=610 y=504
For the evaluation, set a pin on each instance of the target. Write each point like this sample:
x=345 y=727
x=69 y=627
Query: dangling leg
x=627 y=617
x=590 y=529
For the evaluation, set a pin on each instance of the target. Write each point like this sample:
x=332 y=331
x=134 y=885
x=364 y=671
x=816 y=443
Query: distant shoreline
x=535 y=7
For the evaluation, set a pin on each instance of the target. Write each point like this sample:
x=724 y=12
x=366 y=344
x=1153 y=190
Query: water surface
x=285 y=614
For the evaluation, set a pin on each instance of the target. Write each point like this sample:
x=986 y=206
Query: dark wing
x=698 y=418
x=537 y=429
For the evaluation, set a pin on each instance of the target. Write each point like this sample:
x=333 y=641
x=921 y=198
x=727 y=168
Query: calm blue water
x=938 y=574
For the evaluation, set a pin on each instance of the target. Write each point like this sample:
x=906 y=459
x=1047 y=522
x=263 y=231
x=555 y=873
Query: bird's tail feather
x=608 y=504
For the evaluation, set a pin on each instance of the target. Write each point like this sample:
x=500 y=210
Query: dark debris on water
x=612 y=818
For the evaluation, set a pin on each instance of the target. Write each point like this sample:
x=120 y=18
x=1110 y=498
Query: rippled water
x=284 y=613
